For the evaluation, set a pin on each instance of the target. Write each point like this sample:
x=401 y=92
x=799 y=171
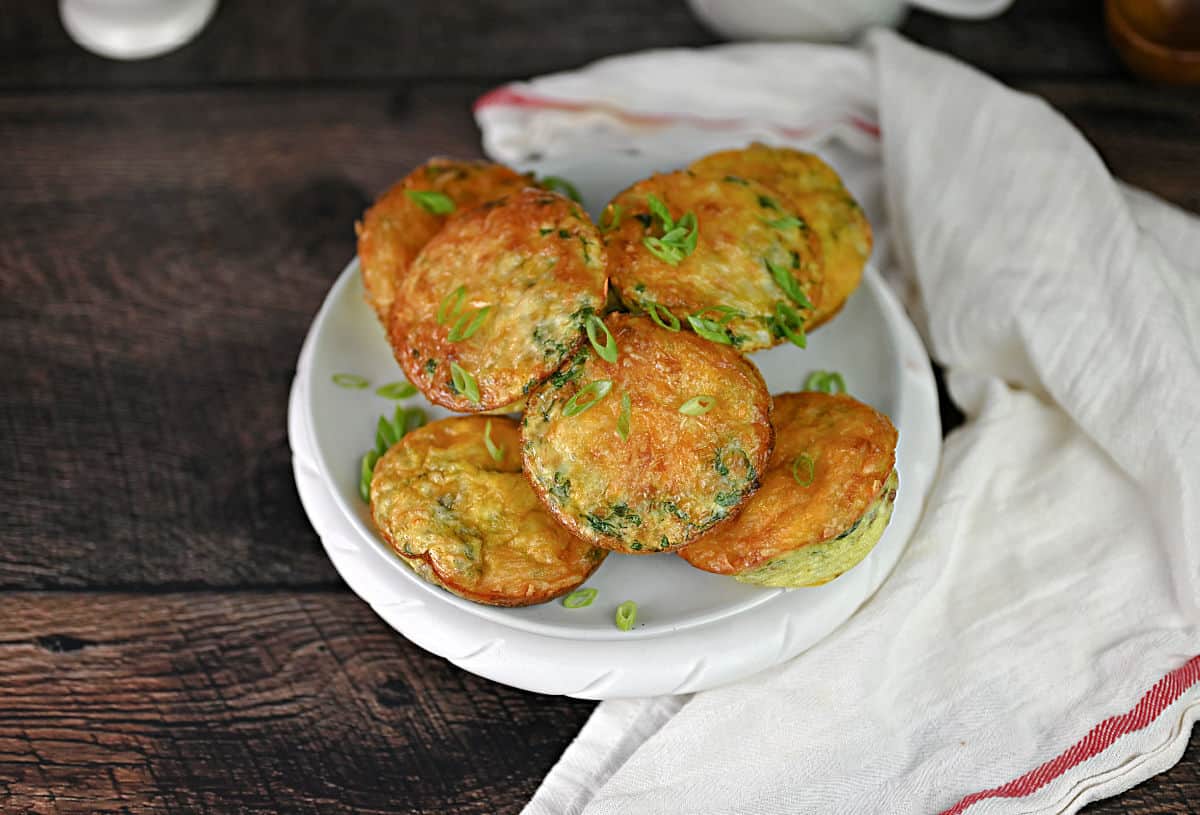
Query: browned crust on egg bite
x=853 y=451
x=536 y=262
x=676 y=476
x=728 y=267
x=395 y=228
x=816 y=193
x=471 y=524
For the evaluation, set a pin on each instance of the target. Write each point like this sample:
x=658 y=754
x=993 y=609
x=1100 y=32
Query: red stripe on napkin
x=1100 y=738
x=507 y=97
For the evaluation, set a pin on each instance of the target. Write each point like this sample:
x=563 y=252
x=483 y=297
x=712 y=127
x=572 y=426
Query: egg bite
x=646 y=453
x=826 y=497
x=722 y=255
x=396 y=227
x=498 y=299
x=450 y=500
x=814 y=191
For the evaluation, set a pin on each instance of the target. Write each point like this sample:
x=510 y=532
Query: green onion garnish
x=679 y=237
x=386 y=435
x=789 y=324
x=615 y=212
x=580 y=598
x=580 y=402
x=557 y=183
x=672 y=323
x=396 y=390
x=464 y=326
x=658 y=208
x=698 y=405
x=451 y=305
x=626 y=615
x=825 y=381
x=352 y=381
x=787 y=222
x=783 y=278
x=494 y=450
x=714 y=330
x=406 y=421
x=607 y=351
x=804 y=460
x=435 y=203
x=366 y=470
x=464 y=383
x=623 y=419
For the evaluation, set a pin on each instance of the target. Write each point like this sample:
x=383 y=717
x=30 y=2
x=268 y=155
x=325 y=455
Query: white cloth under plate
x=1038 y=646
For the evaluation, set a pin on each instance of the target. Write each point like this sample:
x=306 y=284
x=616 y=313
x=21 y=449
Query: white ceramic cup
x=824 y=20
x=134 y=29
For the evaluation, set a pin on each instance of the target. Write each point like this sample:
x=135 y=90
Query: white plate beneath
x=695 y=630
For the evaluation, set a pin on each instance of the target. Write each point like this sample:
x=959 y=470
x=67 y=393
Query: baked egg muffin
x=722 y=255
x=498 y=299
x=408 y=215
x=645 y=453
x=826 y=497
x=815 y=193
x=450 y=500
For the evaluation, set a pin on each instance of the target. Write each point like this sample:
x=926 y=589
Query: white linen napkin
x=1038 y=646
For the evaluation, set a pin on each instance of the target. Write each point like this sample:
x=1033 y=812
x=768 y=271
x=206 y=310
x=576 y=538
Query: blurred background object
x=134 y=29
x=823 y=20
x=1158 y=39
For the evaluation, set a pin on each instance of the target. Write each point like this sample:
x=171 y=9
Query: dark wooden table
x=173 y=637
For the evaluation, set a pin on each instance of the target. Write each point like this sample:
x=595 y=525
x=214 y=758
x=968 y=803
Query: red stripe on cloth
x=507 y=97
x=1099 y=739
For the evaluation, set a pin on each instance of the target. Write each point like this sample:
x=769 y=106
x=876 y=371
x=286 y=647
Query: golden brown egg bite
x=826 y=496
x=408 y=215
x=643 y=454
x=812 y=190
x=450 y=500
x=498 y=299
x=724 y=251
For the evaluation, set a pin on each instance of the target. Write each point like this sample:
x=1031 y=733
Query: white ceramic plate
x=695 y=630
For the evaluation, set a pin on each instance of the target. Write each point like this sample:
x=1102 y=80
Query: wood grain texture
x=253 y=702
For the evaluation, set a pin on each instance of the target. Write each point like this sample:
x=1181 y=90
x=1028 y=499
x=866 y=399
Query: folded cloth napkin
x=1038 y=645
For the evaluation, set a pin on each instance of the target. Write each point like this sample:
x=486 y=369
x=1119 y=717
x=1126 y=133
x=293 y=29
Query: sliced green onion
x=653 y=309
x=804 y=460
x=596 y=390
x=414 y=418
x=767 y=202
x=451 y=305
x=658 y=208
x=623 y=419
x=679 y=237
x=396 y=390
x=435 y=203
x=710 y=329
x=464 y=382
x=825 y=381
x=787 y=222
x=607 y=351
x=626 y=615
x=727 y=313
x=352 y=381
x=366 y=471
x=580 y=598
x=463 y=329
x=698 y=405
x=494 y=450
x=615 y=213
x=791 y=287
x=557 y=183
x=789 y=324
x=385 y=435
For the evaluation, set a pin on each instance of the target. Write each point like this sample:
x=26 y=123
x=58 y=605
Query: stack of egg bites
x=645 y=430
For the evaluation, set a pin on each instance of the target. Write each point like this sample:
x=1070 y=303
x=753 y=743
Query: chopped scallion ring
x=366 y=471
x=653 y=310
x=791 y=287
x=462 y=329
x=698 y=405
x=787 y=222
x=464 y=382
x=607 y=351
x=435 y=203
x=623 y=419
x=580 y=598
x=804 y=460
x=557 y=183
x=626 y=615
x=710 y=329
x=385 y=435
x=679 y=237
x=825 y=381
x=615 y=213
x=396 y=390
x=587 y=396
x=352 y=381
x=787 y=323
x=494 y=450
x=451 y=305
